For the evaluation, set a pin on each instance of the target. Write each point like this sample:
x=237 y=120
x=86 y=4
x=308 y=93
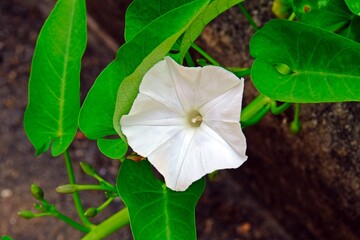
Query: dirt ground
x=219 y=215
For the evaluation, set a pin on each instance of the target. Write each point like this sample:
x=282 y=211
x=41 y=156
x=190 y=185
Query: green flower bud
x=68 y=188
x=295 y=127
x=91 y=212
x=87 y=169
x=26 y=214
x=37 y=192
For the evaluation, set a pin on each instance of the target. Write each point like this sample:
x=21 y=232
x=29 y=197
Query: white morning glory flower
x=185 y=120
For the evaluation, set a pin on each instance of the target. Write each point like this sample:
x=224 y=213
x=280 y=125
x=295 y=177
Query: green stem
x=205 y=54
x=295 y=125
x=255 y=111
x=76 y=196
x=103 y=181
x=71 y=222
x=279 y=109
x=256 y=117
x=292 y=16
x=95 y=187
x=105 y=204
x=248 y=16
x=109 y=226
x=240 y=72
x=254 y=107
x=189 y=60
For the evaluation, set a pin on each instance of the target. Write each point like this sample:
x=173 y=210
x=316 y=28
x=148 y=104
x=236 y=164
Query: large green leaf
x=332 y=15
x=151 y=46
x=320 y=66
x=140 y=13
x=54 y=86
x=157 y=212
x=354 y=6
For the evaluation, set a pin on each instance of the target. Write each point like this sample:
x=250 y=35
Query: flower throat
x=194 y=119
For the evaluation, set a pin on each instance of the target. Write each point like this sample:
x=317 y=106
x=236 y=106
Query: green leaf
x=54 y=86
x=214 y=9
x=354 y=6
x=332 y=15
x=140 y=13
x=154 y=45
x=295 y=62
x=156 y=212
x=6 y=238
x=112 y=148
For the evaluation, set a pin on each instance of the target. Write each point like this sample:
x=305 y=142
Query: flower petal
x=191 y=154
x=225 y=107
x=216 y=81
x=149 y=124
x=197 y=86
x=187 y=83
x=232 y=134
x=158 y=83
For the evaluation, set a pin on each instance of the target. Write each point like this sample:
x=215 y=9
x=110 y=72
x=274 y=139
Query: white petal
x=158 y=83
x=149 y=124
x=225 y=107
x=191 y=154
x=197 y=86
x=232 y=134
x=216 y=81
x=187 y=83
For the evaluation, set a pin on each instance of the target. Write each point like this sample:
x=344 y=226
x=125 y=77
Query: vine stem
x=205 y=54
x=76 y=196
x=109 y=226
x=292 y=16
x=71 y=222
x=95 y=187
x=248 y=16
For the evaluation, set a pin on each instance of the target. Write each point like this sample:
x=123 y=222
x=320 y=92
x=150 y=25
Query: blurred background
x=304 y=186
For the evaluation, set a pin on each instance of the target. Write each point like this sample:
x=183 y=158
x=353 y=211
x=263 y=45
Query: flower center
x=195 y=119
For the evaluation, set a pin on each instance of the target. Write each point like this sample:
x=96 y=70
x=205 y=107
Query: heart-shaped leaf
x=157 y=212
x=332 y=15
x=295 y=62
x=354 y=6
x=54 y=86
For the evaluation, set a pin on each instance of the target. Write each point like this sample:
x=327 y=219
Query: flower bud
x=68 y=188
x=295 y=127
x=37 y=192
x=87 y=169
x=91 y=212
x=26 y=214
